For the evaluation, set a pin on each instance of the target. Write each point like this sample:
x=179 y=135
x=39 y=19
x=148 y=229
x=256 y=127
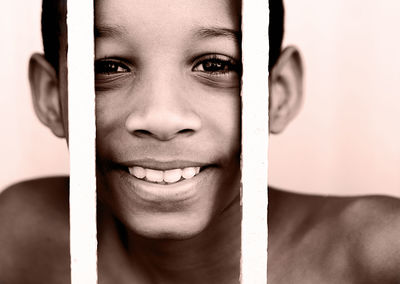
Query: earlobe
x=286 y=89
x=45 y=94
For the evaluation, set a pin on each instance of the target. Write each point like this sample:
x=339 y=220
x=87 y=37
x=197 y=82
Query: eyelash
x=212 y=64
x=104 y=66
x=218 y=65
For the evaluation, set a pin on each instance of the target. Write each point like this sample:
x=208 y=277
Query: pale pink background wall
x=27 y=148
x=346 y=139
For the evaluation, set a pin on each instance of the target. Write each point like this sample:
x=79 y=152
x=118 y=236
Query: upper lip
x=163 y=165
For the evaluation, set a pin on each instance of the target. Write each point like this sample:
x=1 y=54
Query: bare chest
x=313 y=259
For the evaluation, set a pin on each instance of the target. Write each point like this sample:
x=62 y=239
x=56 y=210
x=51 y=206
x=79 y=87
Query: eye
x=216 y=65
x=218 y=71
x=110 y=67
x=112 y=74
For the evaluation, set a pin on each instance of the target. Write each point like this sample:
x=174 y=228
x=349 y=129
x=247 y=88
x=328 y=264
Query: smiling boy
x=168 y=158
x=168 y=161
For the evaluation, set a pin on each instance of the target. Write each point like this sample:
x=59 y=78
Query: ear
x=45 y=94
x=286 y=89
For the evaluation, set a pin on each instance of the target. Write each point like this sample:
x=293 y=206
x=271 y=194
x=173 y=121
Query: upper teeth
x=168 y=176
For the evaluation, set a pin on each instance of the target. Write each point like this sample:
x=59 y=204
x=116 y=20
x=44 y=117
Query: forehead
x=167 y=16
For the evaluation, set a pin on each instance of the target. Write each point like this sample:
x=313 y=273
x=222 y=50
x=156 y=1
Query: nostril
x=164 y=124
x=142 y=132
x=185 y=131
x=146 y=133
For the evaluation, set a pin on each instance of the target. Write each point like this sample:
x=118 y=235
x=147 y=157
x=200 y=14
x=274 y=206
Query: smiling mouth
x=164 y=177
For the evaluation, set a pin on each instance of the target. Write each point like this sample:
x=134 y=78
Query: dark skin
x=333 y=239
x=319 y=240
x=312 y=239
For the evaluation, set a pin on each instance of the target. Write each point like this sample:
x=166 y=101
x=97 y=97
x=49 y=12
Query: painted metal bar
x=255 y=20
x=82 y=133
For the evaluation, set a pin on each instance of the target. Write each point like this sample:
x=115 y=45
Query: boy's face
x=167 y=108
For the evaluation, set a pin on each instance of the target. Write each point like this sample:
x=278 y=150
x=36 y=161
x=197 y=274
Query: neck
x=213 y=256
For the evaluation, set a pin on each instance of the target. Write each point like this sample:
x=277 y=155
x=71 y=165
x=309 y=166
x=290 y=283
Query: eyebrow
x=112 y=31
x=218 y=32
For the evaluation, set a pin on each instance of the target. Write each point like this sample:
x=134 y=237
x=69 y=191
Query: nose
x=162 y=113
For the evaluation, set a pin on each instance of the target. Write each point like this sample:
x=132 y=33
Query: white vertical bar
x=82 y=133
x=255 y=48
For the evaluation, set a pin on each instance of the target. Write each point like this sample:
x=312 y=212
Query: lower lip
x=181 y=191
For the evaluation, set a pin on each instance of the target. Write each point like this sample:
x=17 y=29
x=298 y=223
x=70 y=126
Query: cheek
x=110 y=121
x=109 y=113
x=224 y=120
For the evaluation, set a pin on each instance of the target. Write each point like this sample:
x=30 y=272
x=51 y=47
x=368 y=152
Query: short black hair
x=54 y=17
x=53 y=29
x=276 y=30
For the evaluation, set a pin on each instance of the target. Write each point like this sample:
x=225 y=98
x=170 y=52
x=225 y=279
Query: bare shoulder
x=34 y=235
x=344 y=239
x=373 y=224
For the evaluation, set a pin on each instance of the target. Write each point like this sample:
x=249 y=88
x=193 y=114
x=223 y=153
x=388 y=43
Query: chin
x=180 y=210
x=169 y=227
